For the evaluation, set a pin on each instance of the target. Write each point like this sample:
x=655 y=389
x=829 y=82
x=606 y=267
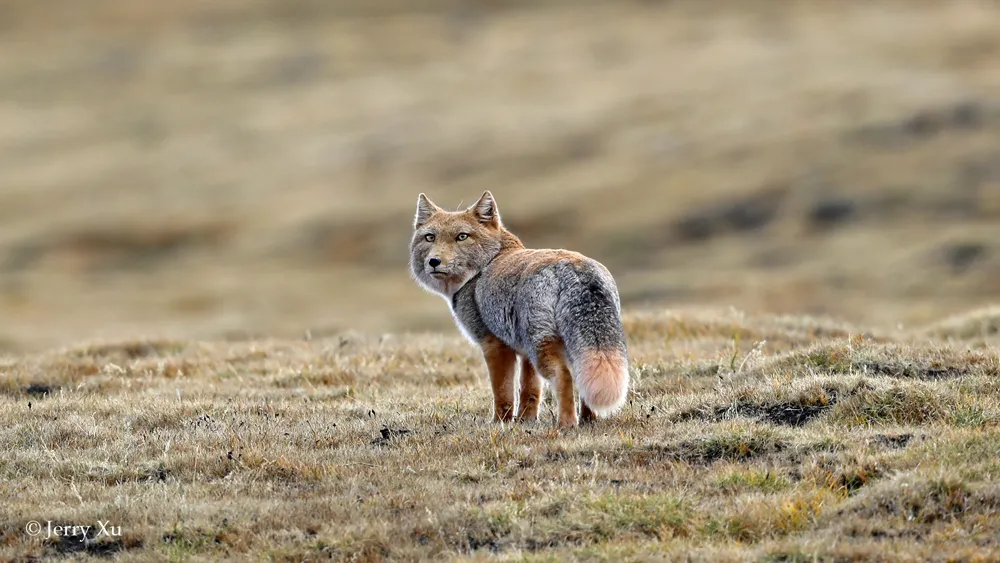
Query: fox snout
x=438 y=267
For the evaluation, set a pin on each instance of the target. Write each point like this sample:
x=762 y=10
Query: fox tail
x=602 y=377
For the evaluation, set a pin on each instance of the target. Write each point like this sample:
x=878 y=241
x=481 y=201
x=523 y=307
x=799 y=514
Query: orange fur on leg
x=501 y=362
x=552 y=365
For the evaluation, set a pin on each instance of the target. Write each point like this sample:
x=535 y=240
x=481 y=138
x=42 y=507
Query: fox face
x=450 y=247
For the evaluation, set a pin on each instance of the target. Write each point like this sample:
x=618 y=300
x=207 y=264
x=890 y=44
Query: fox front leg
x=501 y=361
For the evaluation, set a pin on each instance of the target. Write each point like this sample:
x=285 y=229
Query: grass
x=365 y=447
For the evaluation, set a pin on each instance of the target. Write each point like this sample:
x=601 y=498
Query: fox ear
x=425 y=208
x=485 y=210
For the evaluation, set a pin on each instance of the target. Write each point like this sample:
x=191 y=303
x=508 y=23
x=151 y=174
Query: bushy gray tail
x=595 y=342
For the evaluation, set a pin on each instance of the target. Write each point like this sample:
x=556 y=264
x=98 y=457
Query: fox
x=554 y=313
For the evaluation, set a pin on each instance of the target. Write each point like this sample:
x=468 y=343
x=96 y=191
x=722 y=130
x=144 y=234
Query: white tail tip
x=602 y=377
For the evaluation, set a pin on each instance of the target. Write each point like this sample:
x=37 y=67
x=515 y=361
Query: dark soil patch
x=901 y=370
x=493 y=545
x=893 y=441
x=73 y=544
x=39 y=390
x=782 y=414
x=390 y=434
x=792 y=414
x=704 y=451
x=786 y=413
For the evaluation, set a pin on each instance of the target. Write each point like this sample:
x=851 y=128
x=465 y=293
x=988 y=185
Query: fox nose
x=434 y=262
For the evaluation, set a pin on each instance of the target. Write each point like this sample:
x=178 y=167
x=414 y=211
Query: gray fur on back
x=576 y=302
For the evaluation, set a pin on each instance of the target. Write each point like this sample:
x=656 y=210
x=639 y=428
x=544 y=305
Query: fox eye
x=429 y=238
x=462 y=236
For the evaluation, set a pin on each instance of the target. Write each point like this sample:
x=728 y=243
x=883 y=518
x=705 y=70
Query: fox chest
x=480 y=318
x=466 y=313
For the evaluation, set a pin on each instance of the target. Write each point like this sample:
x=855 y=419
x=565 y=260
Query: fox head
x=450 y=247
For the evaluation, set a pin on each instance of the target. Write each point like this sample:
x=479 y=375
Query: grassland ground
x=744 y=438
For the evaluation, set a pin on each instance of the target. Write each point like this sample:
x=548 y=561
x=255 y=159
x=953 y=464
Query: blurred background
x=234 y=168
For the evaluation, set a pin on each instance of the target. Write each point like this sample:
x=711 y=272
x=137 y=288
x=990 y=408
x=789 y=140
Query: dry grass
x=821 y=442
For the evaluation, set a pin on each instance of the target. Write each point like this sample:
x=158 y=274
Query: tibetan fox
x=557 y=313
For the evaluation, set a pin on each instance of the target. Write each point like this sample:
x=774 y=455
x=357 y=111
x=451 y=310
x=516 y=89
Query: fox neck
x=508 y=242
x=451 y=288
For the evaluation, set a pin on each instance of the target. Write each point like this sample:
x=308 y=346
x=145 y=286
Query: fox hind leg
x=531 y=392
x=551 y=361
x=501 y=362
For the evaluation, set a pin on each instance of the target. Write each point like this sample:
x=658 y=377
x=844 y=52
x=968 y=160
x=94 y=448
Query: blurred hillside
x=231 y=168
